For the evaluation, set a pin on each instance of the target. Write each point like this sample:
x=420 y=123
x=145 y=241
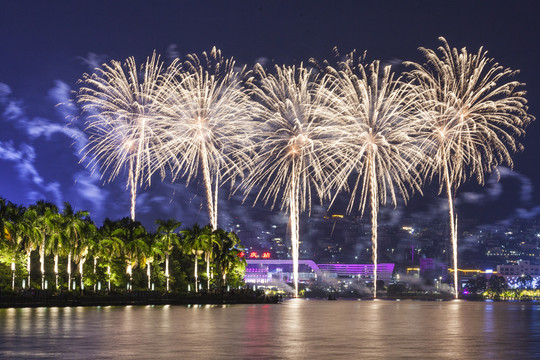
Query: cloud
x=93 y=60
x=23 y=156
x=61 y=95
x=392 y=62
x=527 y=214
x=8 y=151
x=88 y=189
x=263 y=61
x=5 y=90
x=13 y=110
x=172 y=52
x=24 y=159
x=526 y=187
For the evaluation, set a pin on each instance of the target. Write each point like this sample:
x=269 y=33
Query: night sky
x=46 y=46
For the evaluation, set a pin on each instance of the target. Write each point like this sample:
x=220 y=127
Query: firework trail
x=124 y=130
x=206 y=110
x=381 y=151
x=473 y=115
x=295 y=141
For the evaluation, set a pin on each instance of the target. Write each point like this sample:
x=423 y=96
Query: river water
x=295 y=329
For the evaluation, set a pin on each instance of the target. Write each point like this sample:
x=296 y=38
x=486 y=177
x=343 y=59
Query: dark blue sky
x=45 y=47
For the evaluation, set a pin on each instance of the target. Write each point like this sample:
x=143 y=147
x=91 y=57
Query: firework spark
x=473 y=115
x=381 y=150
x=295 y=140
x=123 y=128
x=208 y=120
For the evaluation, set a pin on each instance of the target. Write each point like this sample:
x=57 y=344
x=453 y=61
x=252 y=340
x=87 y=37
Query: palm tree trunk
x=130 y=272
x=81 y=269
x=167 y=269
x=69 y=270
x=196 y=282
x=56 y=269
x=12 y=276
x=148 y=273
x=28 y=259
x=95 y=267
x=208 y=272
x=42 y=261
x=109 y=276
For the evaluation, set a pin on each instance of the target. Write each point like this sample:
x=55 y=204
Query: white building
x=523 y=267
x=513 y=273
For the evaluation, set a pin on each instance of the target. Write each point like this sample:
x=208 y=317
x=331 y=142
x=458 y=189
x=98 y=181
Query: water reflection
x=296 y=329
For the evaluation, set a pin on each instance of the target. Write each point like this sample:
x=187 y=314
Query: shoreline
x=144 y=298
x=70 y=299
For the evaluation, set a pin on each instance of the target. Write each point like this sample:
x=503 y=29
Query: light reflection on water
x=296 y=329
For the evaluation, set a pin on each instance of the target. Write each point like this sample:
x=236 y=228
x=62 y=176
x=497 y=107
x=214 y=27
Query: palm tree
x=168 y=238
x=10 y=235
x=110 y=247
x=31 y=237
x=210 y=239
x=86 y=242
x=4 y=218
x=132 y=234
x=193 y=243
x=57 y=245
x=73 y=225
x=154 y=250
x=47 y=224
x=228 y=253
x=95 y=252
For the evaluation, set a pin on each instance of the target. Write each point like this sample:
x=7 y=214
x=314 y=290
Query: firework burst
x=473 y=115
x=207 y=122
x=295 y=141
x=380 y=151
x=124 y=130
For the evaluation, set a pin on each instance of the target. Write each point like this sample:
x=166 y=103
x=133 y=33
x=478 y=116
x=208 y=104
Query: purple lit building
x=281 y=271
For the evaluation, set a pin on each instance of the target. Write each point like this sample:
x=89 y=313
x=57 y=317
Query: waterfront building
x=523 y=267
x=517 y=275
x=261 y=271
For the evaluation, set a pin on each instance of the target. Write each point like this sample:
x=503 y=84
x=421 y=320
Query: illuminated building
x=278 y=271
x=523 y=267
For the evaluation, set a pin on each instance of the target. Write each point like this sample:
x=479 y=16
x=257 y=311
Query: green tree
x=210 y=240
x=168 y=238
x=193 y=243
x=31 y=237
x=132 y=234
x=47 y=225
x=228 y=253
x=87 y=234
x=73 y=224
x=154 y=251
x=497 y=284
x=11 y=238
x=110 y=247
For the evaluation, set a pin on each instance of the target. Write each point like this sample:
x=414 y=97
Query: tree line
x=44 y=247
